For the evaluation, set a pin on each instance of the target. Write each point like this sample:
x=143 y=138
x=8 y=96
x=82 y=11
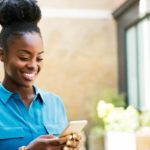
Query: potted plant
x=119 y=124
x=96 y=136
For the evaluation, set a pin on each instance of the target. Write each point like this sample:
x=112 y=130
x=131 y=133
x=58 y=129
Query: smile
x=29 y=76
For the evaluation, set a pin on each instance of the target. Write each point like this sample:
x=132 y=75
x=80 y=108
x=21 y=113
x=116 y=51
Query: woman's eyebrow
x=24 y=51
x=21 y=51
x=41 y=52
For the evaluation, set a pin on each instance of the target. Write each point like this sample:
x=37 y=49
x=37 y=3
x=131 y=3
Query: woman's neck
x=26 y=93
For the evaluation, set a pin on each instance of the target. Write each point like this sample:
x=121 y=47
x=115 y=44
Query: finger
x=72 y=143
x=67 y=135
x=65 y=148
x=69 y=143
x=70 y=137
x=65 y=138
x=76 y=136
x=75 y=144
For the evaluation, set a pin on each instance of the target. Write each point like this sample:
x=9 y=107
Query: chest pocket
x=54 y=129
x=11 y=132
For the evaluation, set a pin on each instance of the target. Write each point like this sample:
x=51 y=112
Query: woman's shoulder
x=48 y=93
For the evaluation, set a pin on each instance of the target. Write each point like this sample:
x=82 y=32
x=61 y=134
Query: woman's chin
x=27 y=84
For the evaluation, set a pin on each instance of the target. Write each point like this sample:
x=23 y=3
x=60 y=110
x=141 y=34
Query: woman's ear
x=1 y=55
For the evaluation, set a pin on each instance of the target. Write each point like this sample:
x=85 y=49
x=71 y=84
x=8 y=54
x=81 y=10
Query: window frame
x=126 y=16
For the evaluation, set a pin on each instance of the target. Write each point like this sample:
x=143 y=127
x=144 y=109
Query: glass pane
x=140 y=45
x=132 y=70
x=143 y=30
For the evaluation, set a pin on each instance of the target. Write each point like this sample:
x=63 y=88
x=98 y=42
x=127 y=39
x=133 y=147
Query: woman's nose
x=32 y=64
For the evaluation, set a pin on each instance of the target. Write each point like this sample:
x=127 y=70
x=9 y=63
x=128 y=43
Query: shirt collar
x=5 y=94
x=38 y=92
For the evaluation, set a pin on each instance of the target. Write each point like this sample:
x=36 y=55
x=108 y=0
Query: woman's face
x=23 y=61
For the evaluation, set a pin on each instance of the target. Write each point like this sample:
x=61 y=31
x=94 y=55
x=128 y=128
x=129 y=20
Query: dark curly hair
x=18 y=17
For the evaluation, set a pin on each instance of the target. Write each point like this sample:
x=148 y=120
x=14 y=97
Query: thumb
x=55 y=141
x=49 y=136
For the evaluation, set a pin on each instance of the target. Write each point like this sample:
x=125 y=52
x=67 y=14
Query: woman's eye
x=39 y=59
x=24 y=58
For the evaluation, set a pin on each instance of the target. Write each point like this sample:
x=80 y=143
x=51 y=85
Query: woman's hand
x=45 y=142
x=71 y=141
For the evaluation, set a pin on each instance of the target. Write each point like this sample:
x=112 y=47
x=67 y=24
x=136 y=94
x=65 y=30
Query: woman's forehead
x=26 y=42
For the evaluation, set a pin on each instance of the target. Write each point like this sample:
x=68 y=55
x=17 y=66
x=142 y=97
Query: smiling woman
x=29 y=115
x=24 y=60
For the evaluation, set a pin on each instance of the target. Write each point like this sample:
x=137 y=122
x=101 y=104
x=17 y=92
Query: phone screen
x=74 y=127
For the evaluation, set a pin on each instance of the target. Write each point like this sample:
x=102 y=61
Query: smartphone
x=74 y=127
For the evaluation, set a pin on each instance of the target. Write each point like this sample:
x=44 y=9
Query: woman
x=30 y=118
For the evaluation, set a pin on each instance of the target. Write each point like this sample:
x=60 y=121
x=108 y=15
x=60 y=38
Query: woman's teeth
x=29 y=76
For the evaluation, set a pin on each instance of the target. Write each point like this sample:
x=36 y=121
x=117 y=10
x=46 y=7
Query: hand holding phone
x=74 y=127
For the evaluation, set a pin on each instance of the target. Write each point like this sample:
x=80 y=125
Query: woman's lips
x=29 y=76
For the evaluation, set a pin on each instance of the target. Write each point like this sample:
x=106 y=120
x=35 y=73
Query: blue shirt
x=19 y=125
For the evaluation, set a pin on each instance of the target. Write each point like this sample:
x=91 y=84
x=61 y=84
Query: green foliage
x=115 y=98
x=110 y=96
x=118 y=118
x=111 y=114
x=145 y=118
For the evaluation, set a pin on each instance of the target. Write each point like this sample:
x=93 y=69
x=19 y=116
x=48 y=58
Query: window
x=138 y=64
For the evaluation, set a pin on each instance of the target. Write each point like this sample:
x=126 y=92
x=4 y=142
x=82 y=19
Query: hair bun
x=19 y=11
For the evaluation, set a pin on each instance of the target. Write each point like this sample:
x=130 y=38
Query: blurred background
x=97 y=50
x=80 y=52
